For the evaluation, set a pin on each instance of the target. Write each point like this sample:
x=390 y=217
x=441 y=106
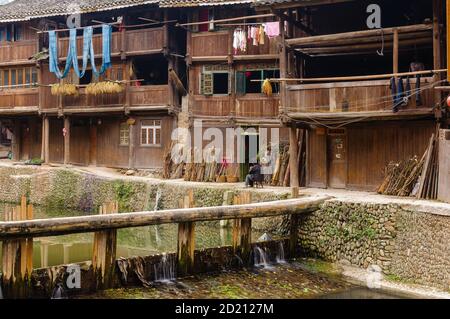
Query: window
x=151 y=132
x=124 y=134
x=245 y=83
x=214 y=80
x=18 y=78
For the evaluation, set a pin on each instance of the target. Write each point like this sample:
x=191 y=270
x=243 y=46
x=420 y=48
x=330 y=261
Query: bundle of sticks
x=414 y=176
x=172 y=169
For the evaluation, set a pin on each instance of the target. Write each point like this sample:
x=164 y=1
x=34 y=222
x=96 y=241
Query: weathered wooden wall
x=370 y=147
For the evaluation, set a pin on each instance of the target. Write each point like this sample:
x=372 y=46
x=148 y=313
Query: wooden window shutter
x=240 y=83
x=207 y=84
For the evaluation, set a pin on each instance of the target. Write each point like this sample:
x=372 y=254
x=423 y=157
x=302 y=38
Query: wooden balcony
x=131 y=42
x=355 y=99
x=216 y=46
x=140 y=98
x=250 y=106
x=19 y=100
x=17 y=52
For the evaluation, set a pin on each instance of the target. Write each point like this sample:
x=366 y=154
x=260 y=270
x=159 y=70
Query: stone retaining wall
x=408 y=244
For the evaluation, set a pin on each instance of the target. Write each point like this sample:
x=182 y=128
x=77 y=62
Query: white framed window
x=124 y=134
x=151 y=133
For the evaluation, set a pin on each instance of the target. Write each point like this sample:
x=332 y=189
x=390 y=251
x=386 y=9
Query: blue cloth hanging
x=53 y=56
x=106 y=55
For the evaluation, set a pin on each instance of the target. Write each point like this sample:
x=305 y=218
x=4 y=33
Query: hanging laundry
x=272 y=29
x=407 y=90
x=239 y=41
x=262 y=35
x=393 y=87
x=106 y=54
x=53 y=54
x=418 y=96
x=400 y=93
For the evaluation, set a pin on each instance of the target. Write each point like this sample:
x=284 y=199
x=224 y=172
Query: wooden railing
x=257 y=105
x=17 y=52
x=17 y=232
x=249 y=105
x=13 y=98
x=218 y=44
x=142 y=96
x=136 y=42
x=361 y=96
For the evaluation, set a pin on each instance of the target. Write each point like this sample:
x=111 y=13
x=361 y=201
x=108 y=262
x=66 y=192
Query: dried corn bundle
x=267 y=87
x=105 y=87
x=64 y=89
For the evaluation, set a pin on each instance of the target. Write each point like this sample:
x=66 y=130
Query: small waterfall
x=157 y=200
x=165 y=270
x=280 y=256
x=260 y=257
x=59 y=292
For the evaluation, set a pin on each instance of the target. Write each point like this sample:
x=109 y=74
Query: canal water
x=140 y=241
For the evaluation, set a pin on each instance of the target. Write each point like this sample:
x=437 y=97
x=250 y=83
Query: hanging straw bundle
x=105 y=87
x=64 y=89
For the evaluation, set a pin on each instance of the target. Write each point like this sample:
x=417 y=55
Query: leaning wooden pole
x=186 y=240
x=293 y=156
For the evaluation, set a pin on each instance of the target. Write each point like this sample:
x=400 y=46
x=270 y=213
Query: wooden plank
x=395 y=51
x=293 y=155
x=425 y=169
x=66 y=140
x=186 y=241
x=245 y=230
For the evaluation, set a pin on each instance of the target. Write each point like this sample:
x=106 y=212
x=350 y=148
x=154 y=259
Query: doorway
x=249 y=150
x=337 y=158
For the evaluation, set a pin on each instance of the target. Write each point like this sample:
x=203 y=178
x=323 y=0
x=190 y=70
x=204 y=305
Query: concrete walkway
x=426 y=206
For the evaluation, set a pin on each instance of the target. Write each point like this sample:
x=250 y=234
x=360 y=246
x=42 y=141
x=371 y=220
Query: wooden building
x=339 y=81
x=128 y=129
x=221 y=87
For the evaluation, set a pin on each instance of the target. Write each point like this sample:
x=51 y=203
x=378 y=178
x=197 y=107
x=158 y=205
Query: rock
x=130 y=172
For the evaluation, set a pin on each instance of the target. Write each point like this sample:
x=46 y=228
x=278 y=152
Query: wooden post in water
x=104 y=253
x=293 y=232
x=17 y=255
x=242 y=230
x=186 y=240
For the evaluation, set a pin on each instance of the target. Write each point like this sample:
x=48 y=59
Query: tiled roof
x=199 y=3
x=21 y=10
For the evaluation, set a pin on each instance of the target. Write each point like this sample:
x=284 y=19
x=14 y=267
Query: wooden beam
x=85 y=224
x=258 y=16
x=242 y=230
x=293 y=233
x=177 y=82
x=357 y=34
x=46 y=139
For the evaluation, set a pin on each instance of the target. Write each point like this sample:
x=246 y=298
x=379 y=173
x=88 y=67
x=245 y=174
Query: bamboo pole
x=186 y=241
x=355 y=78
x=268 y=15
x=104 y=250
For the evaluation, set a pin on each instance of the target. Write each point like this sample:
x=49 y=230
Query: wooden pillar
x=293 y=233
x=437 y=49
x=283 y=68
x=67 y=140
x=46 y=139
x=131 y=145
x=395 y=52
x=293 y=156
x=17 y=256
x=242 y=230
x=104 y=251
x=186 y=240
